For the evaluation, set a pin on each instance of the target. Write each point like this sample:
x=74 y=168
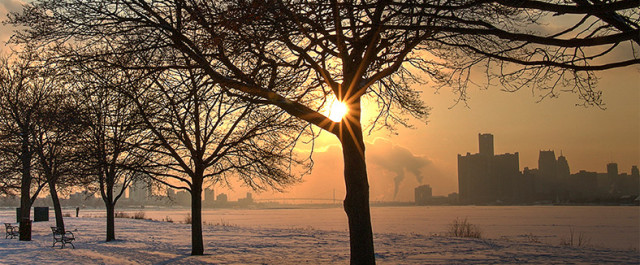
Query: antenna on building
x=334 y=196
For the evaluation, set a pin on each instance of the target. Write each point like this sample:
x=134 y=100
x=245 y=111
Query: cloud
x=393 y=171
x=7 y=6
x=10 y=6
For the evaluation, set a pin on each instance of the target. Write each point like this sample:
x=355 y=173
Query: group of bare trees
x=54 y=133
x=37 y=130
x=87 y=123
x=209 y=81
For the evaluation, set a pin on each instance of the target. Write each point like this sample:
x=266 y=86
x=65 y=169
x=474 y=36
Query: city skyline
x=488 y=178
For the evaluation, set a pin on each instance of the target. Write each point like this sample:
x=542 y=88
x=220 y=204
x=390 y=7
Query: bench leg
x=61 y=242
x=67 y=242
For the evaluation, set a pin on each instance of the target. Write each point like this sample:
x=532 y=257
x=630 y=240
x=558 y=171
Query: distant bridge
x=294 y=199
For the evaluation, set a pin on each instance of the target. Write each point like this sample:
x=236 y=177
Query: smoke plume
x=396 y=159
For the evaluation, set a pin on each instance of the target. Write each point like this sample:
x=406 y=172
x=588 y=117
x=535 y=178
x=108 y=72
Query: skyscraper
x=485 y=142
x=139 y=191
x=546 y=180
x=422 y=194
x=612 y=170
x=209 y=197
x=486 y=177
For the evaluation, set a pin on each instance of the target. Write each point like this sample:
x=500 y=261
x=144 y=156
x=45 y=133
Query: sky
x=589 y=137
x=397 y=163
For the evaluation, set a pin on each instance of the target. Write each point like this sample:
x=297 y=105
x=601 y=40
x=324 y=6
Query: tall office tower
x=563 y=166
x=422 y=194
x=486 y=144
x=634 y=181
x=485 y=177
x=614 y=183
x=139 y=191
x=547 y=163
x=546 y=180
x=562 y=178
x=209 y=196
x=612 y=170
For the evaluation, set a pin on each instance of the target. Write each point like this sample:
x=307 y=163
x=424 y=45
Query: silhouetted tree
x=199 y=134
x=24 y=87
x=56 y=143
x=8 y=168
x=113 y=131
x=357 y=49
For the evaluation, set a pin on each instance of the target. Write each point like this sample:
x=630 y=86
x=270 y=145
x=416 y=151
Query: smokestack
x=397 y=180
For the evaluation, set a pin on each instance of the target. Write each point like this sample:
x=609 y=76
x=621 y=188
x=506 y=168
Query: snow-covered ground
x=158 y=242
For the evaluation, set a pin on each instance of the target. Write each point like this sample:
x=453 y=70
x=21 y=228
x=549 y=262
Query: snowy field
x=158 y=242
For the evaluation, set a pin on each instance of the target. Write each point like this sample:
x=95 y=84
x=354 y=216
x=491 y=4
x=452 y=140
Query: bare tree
x=53 y=130
x=8 y=178
x=108 y=145
x=200 y=135
x=357 y=49
x=56 y=137
x=24 y=87
x=378 y=45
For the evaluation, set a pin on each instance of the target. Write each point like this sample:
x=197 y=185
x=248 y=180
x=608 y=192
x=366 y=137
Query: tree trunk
x=356 y=203
x=25 y=192
x=197 y=245
x=56 y=205
x=111 y=230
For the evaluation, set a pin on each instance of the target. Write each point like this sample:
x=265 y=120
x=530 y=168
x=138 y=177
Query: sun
x=337 y=110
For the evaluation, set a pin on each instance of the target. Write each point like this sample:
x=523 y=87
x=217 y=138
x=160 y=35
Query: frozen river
x=602 y=226
x=615 y=227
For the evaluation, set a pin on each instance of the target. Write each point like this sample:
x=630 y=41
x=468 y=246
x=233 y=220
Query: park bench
x=60 y=236
x=11 y=230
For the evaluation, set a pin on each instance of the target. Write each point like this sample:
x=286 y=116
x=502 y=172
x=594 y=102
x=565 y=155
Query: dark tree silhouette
x=113 y=132
x=56 y=144
x=199 y=134
x=358 y=49
x=24 y=87
x=8 y=168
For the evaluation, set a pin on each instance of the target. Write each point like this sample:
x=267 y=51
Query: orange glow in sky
x=520 y=122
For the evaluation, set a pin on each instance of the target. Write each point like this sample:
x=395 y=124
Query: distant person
x=77 y=211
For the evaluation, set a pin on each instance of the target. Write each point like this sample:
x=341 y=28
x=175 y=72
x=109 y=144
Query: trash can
x=40 y=214
x=18 y=216
x=25 y=225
